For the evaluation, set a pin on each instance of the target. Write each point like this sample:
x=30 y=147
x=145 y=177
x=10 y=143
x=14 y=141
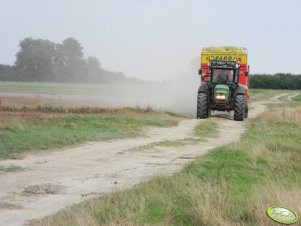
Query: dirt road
x=55 y=180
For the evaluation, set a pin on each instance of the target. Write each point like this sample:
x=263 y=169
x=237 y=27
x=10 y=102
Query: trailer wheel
x=239 y=108
x=202 y=106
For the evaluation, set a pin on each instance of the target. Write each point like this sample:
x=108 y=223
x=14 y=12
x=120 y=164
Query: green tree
x=73 y=59
x=44 y=61
x=35 y=59
x=93 y=69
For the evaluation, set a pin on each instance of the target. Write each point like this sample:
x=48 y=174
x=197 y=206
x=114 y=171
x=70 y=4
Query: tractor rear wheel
x=239 y=108
x=202 y=107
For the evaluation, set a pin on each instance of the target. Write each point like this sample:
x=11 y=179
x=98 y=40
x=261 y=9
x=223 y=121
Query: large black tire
x=202 y=107
x=246 y=109
x=239 y=108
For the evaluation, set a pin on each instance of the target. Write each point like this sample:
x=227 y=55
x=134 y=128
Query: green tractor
x=222 y=92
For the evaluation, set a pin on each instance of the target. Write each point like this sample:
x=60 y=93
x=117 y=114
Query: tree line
x=41 y=60
x=277 y=81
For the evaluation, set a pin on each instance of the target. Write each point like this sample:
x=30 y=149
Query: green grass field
x=231 y=185
x=19 y=135
x=69 y=88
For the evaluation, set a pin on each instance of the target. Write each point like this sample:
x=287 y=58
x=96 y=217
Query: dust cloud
x=177 y=94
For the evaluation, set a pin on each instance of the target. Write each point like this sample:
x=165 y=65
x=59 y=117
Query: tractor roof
x=224 y=49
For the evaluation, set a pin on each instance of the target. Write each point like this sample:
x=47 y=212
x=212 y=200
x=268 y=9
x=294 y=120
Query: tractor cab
x=222 y=76
x=223 y=81
x=224 y=72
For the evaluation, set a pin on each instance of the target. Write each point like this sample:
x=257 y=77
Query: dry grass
x=209 y=203
x=282 y=114
x=13 y=118
x=81 y=219
x=33 y=106
x=274 y=194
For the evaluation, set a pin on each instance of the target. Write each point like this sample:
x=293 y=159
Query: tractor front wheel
x=239 y=108
x=246 y=110
x=202 y=107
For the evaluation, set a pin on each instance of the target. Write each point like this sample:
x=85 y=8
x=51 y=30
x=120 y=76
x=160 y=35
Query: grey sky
x=153 y=39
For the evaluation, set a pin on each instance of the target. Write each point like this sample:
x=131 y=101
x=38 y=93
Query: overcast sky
x=156 y=39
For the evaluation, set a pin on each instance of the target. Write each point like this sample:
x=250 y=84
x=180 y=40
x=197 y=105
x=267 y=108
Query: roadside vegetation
x=43 y=128
x=230 y=186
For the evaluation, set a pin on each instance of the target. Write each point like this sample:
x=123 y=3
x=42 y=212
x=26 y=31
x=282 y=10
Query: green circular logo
x=282 y=215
